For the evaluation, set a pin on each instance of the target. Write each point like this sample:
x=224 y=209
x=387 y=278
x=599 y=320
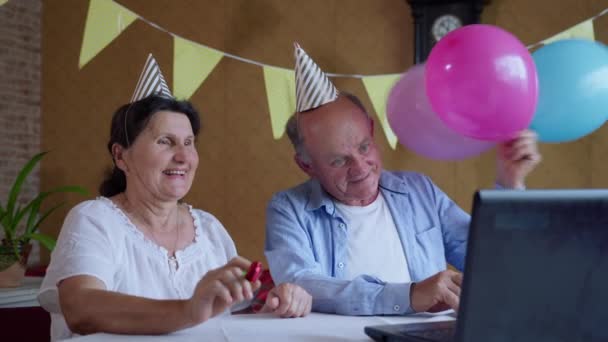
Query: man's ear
x=118 y=154
x=304 y=166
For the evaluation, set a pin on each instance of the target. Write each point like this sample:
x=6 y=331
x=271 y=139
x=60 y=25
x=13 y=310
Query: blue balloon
x=573 y=89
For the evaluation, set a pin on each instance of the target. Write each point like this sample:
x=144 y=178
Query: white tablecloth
x=268 y=328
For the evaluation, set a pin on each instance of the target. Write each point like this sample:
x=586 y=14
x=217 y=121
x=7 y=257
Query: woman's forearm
x=90 y=311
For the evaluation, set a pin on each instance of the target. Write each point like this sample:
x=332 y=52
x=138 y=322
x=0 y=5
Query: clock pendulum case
x=433 y=19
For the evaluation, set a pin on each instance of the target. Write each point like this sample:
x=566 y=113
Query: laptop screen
x=537 y=267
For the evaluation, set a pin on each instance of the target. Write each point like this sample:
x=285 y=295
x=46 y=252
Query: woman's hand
x=288 y=300
x=219 y=289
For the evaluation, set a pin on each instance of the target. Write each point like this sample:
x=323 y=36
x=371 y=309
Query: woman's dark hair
x=129 y=121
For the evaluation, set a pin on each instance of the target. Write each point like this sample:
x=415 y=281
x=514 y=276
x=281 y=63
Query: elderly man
x=361 y=240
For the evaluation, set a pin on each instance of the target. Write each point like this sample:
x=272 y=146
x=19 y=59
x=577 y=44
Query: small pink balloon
x=418 y=128
x=481 y=81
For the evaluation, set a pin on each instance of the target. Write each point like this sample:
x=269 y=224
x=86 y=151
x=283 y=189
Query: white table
x=268 y=328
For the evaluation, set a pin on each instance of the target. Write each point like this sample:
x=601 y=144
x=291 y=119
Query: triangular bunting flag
x=313 y=88
x=192 y=64
x=280 y=91
x=378 y=88
x=151 y=81
x=105 y=21
x=583 y=30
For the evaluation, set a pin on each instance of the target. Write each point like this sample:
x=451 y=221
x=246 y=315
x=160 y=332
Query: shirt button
x=396 y=307
x=341 y=265
x=342 y=225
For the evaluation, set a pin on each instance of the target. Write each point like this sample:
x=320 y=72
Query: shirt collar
x=391 y=182
x=320 y=198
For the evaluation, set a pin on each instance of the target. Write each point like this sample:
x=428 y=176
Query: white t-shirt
x=374 y=247
x=99 y=240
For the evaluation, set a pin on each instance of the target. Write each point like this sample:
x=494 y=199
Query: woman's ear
x=118 y=156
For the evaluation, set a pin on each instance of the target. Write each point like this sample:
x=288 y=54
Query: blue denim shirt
x=306 y=240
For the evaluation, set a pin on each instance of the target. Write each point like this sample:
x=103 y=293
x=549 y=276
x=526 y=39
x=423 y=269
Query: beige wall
x=241 y=165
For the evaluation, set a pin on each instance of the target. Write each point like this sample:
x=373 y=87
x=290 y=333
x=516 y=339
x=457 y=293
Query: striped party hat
x=151 y=82
x=313 y=88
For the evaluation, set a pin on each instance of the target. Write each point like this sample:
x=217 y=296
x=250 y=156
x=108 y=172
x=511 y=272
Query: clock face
x=444 y=24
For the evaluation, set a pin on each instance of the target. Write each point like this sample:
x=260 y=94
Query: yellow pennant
x=105 y=21
x=281 y=94
x=192 y=63
x=378 y=88
x=583 y=30
x=2 y=2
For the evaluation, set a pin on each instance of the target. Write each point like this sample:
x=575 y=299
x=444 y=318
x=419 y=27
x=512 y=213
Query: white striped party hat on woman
x=313 y=88
x=151 y=82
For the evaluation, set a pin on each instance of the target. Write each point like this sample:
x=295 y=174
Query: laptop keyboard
x=438 y=335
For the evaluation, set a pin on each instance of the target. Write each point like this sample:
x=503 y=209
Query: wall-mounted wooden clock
x=433 y=19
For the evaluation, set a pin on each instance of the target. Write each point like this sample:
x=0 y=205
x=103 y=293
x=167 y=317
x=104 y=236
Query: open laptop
x=536 y=270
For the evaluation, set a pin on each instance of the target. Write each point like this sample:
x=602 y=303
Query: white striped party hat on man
x=151 y=81
x=313 y=88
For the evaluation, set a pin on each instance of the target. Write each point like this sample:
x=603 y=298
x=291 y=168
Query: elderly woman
x=138 y=261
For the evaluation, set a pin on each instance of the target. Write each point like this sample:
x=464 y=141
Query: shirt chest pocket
x=430 y=248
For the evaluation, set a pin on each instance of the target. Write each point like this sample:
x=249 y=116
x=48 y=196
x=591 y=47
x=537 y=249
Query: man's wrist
x=412 y=287
x=394 y=300
x=516 y=186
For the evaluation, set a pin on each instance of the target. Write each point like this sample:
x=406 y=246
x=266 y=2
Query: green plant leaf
x=32 y=216
x=21 y=176
x=11 y=225
x=34 y=227
x=35 y=209
x=69 y=188
x=12 y=215
x=36 y=202
x=32 y=207
x=45 y=240
x=2 y=215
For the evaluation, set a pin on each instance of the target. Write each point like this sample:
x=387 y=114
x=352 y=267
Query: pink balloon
x=482 y=82
x=419 y=128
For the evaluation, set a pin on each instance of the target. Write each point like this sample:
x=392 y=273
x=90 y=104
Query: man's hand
x=288 y=300
x=516 y=158
x=437 y=293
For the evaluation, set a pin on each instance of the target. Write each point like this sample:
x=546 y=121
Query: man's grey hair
x=294 y=134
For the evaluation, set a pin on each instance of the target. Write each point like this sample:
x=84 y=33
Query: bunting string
x=543 y=42
x=254 y=62
x=193 y=62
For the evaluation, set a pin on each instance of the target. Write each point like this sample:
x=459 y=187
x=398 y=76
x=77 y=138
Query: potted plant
x=15 y=246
